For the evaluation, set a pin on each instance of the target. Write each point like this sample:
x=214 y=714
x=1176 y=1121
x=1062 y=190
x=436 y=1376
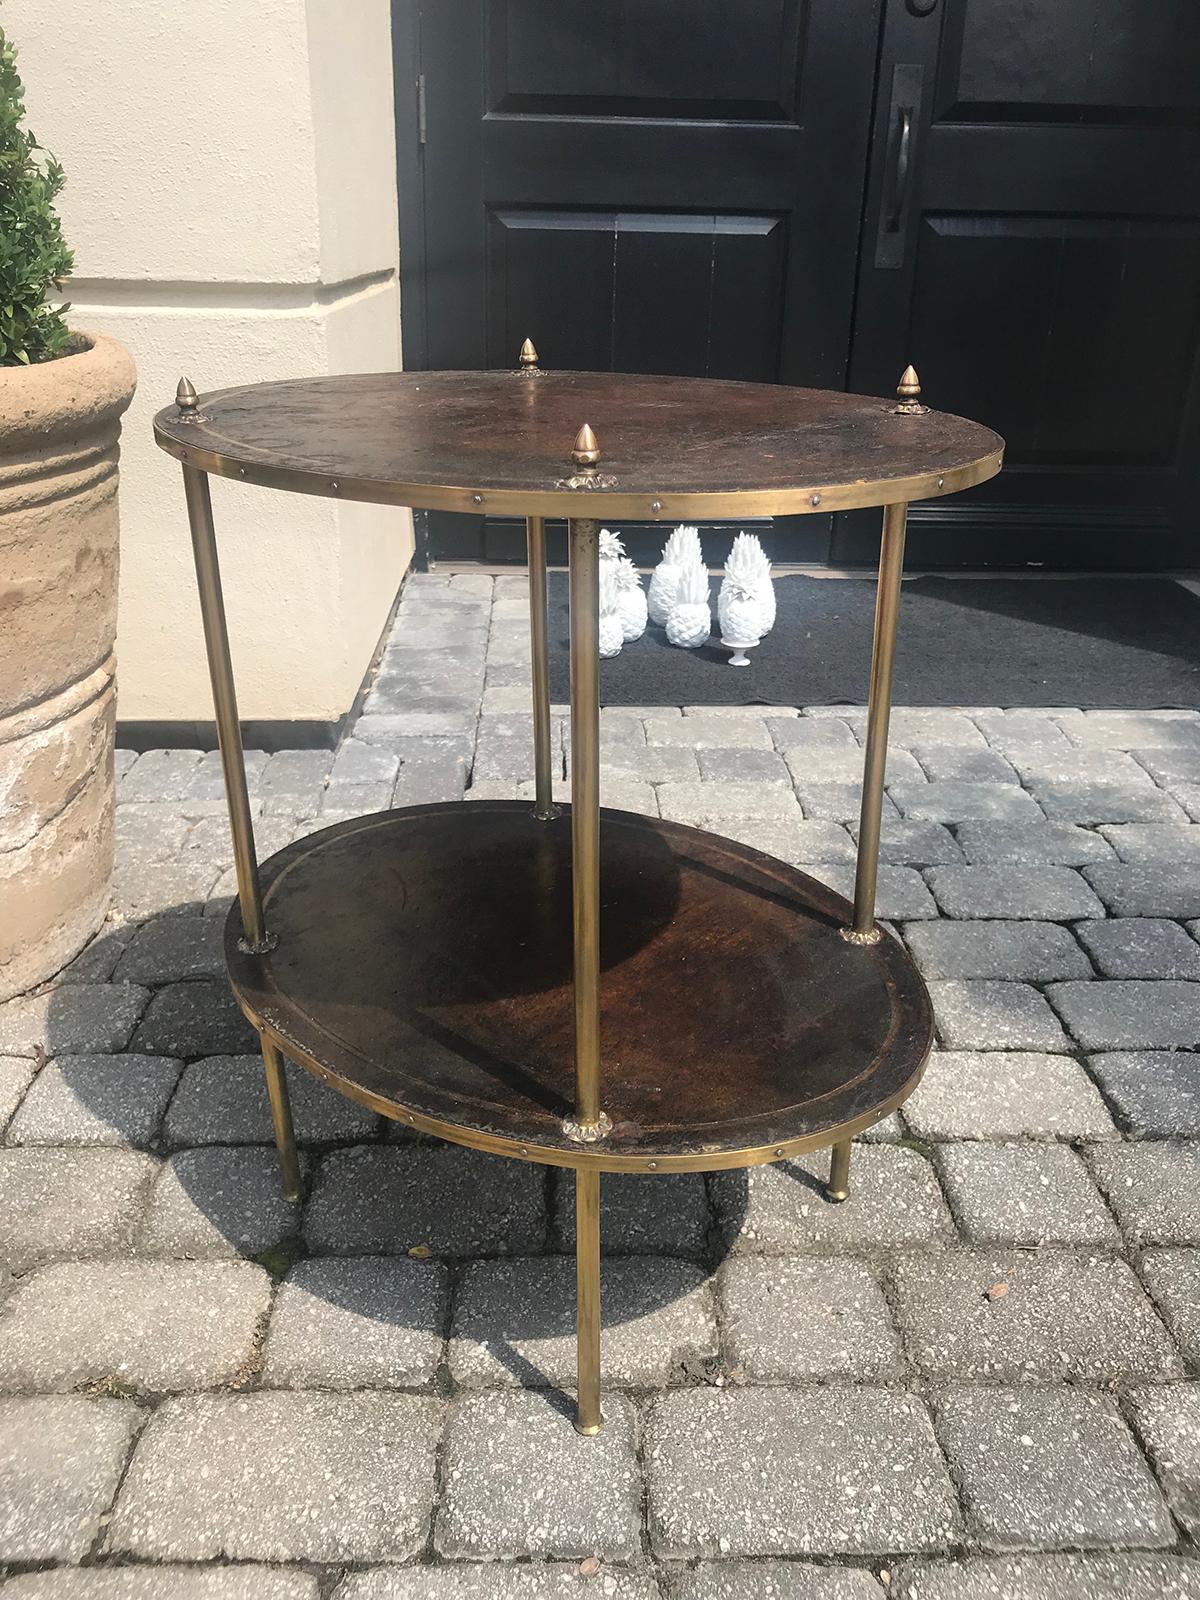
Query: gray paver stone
x=96 y=962
x=1027 y=1194
x=706 y=732
x=16 y=1074
x=641 y=1213
x=281 y=1477
x=69 y=1202
x=914 y=844
x=1145 y=890
x=1006 y=1095
x=812 y=733
x=698 y=803
x=142 y=890
x=775 y=1580
x=948 y=763
x=521 y=1482
x=115 y=1100
x=961 y=801
x=1173 y=1278
x=773 y=1472
x=1031 y=952
x=1154 y=1188
x=1097 y=800
x=200 y=1018
x=994 y=1016
x=781 y=1209
x=160 y=775
x=1050 y=1469
x=494 y=1581
x=1033 y=1577
x=154 y=1326
x=787 y=838
x=1127 y=730
x=1063 y=1316
x=1168 y=1419
x=1139 y=947
x=1128 y=1013
x=1050 y=893
x=71 y=1019
x=353 y=1323
x=514 y=1323
x=836 y=802
x=742 y=765
x=1167 y=766
x=1154 y=841
x=170 y=949
x=241 y=1582
x=1155 y=1093
x=1031 y=844
x=900 y=892
x=223 y=1100
x=370 y=1201
x=218 y=1201
x=788 y=1321
x=812 y=765
x=921 y=727
x=60 y=1461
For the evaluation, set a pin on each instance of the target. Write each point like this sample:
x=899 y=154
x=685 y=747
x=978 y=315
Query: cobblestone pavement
x=974 y=1381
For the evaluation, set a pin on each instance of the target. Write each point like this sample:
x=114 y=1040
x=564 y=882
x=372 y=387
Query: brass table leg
x=535 y=535
x=879 y=706
x=863 y=929
x=589 y=1123
x=588 y=1417
x=838 y=1187
x=255 y=937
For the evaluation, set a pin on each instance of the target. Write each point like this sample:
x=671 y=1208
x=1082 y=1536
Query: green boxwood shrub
x=33 y=256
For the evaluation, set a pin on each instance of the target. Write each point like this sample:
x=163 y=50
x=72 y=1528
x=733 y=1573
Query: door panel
x=700 y=295
x=1042 y=272
x=648 y=186
x=645 y=58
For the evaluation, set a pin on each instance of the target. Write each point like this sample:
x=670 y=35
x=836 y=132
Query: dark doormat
x=1110 y=642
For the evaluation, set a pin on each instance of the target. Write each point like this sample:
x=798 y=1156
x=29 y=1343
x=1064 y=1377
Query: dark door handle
x=901 y=167
x=897 y=128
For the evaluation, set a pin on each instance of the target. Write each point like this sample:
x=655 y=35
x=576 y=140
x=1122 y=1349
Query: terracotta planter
x=59 y=424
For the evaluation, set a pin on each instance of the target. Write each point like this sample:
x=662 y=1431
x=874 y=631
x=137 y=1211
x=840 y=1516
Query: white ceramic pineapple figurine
x=631 y=599
x=739 y=610
x=611 y=546
x=690 y=621
x=684 y=542
x=749 y=559
x=611 y=634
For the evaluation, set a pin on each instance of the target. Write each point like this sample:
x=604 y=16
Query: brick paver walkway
x=970 y=1382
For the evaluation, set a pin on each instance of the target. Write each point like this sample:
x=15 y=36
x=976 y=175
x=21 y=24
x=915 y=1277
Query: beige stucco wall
x=231 y=201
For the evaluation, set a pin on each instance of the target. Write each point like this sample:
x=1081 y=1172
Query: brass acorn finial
x=908 y=393
x=529 y=355
x=586 y=452
x=185 y=397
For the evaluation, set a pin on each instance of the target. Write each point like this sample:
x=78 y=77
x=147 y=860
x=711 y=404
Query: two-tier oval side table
x=585 y=988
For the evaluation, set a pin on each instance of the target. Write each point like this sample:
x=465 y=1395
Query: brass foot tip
x=867 y=936
x=529 y=356
x=292 y=1196
x=589 y=1430
x=548 y=815
x=587 y=1132
x=837 y=1195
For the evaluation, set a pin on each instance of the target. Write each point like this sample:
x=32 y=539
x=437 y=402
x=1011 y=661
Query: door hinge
x=422 y=125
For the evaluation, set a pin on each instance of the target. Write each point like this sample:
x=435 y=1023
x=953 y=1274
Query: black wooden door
x=641 y=185
x=1032 y=243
